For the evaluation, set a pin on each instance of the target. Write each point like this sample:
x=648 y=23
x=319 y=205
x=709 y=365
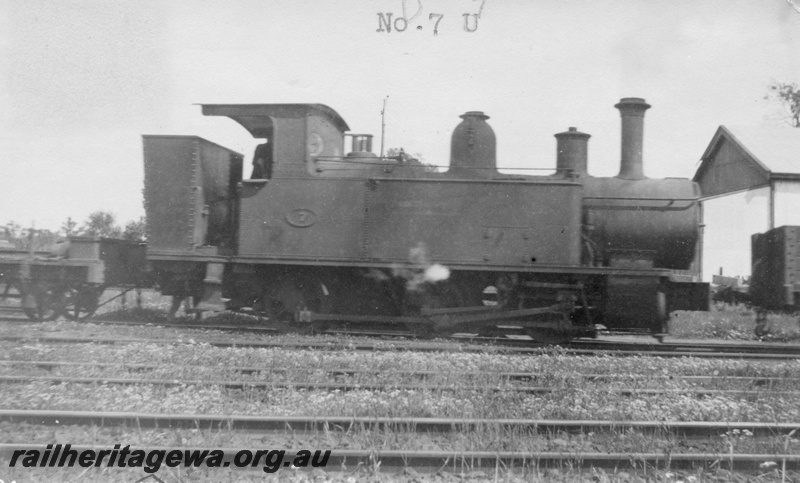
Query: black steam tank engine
x=318 y=238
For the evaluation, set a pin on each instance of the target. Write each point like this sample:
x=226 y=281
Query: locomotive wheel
x=283 y=301
x=441 y=295
x=49 y=304
x=81 y=303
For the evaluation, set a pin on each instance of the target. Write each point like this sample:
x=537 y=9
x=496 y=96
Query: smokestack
x=572 y=153
x=632 y=111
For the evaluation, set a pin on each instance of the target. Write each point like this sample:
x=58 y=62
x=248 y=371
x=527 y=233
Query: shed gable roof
x=776 y=150
x=740 y=158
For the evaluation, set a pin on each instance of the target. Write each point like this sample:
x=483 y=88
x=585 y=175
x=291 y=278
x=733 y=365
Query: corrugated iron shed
x=740 y=158
x=749 y=178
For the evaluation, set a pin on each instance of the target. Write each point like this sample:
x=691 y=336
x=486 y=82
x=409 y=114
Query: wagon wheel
x=81 y=303
x=48 y=304
x=189 y=303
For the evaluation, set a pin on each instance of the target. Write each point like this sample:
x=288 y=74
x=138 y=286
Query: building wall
x=787 y=203
x=729 y=221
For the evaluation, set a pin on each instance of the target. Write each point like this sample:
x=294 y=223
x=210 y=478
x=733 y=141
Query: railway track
x=554 y=437
x=344 y=387
x=468 y=464
x=765 y=382
x=666 y=349
x=263 y=377
x=644 y=345
x=554 y=444
x=419 y=424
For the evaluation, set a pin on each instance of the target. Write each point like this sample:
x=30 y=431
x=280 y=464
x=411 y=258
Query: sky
x=82 y=80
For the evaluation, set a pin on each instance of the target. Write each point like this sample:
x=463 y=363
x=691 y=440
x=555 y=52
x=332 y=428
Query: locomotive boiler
x=317 y=237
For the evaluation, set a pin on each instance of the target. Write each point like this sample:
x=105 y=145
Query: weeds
x=733 y=322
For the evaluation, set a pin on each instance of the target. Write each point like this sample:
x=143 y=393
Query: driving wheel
x=285 y=301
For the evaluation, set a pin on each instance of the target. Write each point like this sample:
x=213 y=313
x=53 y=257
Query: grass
x=394 y=439
x=596 y=403
x=554 y=366
x=398 y=438
x=456 y=471
x=733 y=322
x=465 y=395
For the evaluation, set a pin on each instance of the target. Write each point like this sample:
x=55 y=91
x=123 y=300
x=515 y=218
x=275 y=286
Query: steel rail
x=191 y=324
x=244 y=343
x=382 y=346
x=471 y=460
x=681 y=345
x=596 y=344
x=367 y=386
x=767 y=381
x=676 y=345
x=445 y=425
x=672 y=344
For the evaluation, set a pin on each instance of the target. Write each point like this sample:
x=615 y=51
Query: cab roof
x=252 y=116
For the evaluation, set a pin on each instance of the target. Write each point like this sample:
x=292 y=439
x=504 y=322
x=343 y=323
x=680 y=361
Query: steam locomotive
x=317 y=238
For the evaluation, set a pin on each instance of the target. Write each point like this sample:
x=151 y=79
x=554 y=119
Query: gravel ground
x=575 y=398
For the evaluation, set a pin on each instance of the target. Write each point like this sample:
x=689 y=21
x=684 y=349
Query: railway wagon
x=70 y=278
x=775 y=280
x=319 y=237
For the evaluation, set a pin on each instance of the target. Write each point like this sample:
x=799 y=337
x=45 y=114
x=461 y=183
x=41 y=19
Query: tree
x=69 y=227
x=24 y=238
x=101 y=224
x=14 y=231
x=788 y=95
x=135 y=230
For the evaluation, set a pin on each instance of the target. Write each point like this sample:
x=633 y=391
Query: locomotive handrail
x=635 y=198
x=361 y=161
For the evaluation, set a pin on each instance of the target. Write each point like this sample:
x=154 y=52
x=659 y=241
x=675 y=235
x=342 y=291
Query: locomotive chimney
x=572 y=153
x=632 y=111
x=473 y=147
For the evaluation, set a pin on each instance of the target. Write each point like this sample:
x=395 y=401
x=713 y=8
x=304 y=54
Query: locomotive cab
x=299 y=133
